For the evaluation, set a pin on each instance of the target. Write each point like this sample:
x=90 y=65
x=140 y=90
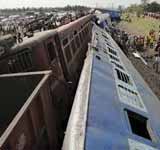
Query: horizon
x=11 y=4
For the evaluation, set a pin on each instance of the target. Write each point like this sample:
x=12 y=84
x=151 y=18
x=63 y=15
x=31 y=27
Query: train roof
x=28 y=42
x=17 y=92
x=72 y=23
x=113 y=108
x=38 y=37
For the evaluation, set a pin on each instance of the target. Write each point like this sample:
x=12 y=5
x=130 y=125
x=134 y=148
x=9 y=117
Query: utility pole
x=96 y=5
x=112 y=5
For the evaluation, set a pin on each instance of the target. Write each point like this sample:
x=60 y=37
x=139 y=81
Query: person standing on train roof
x=19 y=37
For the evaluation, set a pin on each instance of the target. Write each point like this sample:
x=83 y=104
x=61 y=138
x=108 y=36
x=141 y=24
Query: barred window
x=65 y=41
x=112 y=51
x=117 y=65
x=128 y=90
x=68 y=53
x=105 y=36
x=21 y=62
x=123 y=77
x=114 y=58
x=73 y=46
x=51 y=51
x=81 y=36
x=77 y=41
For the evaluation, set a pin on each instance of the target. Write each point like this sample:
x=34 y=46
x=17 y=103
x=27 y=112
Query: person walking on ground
x=157 y=49
x=20 y=40
x=124 y=42
x=156 y=63
x=148 y=38
x=130 y=43
x=152 y=38
x=138 y=44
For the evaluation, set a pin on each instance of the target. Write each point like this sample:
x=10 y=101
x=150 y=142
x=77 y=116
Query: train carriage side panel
x=74 y=41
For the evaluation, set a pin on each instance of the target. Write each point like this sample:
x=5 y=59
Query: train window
x=65 y=41
x=84 y=34
x=127 y=90
x=75 y=32
x=96 y=49
x=77 y=41
x=11 y=65
x=81 y=36
x=108 y=44
x=68 y=53
x=22 y=59
x=28 y=57
x=114 y=58
x=51 y=51
x=86 y=31
x=138 y=124
x=117 y=65
x=88 y=28
x=21 y=62
x=71 y=37
x=98 y=57
x=73 y=46
x=105 y=52
x=112 y=51
x=18 y=64
x=104 y=36
x=123 y=77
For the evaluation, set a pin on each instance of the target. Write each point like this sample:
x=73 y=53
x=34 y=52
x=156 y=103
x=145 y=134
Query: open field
x=140 y=26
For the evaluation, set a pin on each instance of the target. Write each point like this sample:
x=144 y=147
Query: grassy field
x=140 y=26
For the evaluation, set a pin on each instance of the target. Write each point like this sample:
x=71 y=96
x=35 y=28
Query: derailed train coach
x=61 y=50
x=114 y=109
x=27 y=118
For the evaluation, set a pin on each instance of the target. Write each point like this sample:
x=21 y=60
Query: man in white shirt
x=156 y=63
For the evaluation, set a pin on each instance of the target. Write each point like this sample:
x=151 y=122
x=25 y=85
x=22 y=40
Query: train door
x=53 y=60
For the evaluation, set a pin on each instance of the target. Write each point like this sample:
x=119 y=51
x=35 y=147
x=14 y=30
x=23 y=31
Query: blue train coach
x=114 y=109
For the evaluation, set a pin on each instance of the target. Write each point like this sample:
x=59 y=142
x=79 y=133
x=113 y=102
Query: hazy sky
x=55 y=3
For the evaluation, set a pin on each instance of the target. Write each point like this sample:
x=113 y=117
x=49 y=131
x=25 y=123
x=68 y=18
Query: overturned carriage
x=62 y=51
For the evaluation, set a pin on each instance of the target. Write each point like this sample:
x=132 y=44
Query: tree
x=144 y=2
x=152 y=7
x=120 y=8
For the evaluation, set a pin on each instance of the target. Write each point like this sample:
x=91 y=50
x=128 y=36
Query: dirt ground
x=140 y=26
x=147 y=71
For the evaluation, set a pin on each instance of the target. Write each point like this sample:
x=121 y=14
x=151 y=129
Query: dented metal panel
x=26 y=112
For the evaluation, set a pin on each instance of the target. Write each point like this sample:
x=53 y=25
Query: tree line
x=14 y=11
x=144 y=7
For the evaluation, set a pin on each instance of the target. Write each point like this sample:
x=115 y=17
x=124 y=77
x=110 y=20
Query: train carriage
x=74 y=40
x=45 y=51
x=114 y=109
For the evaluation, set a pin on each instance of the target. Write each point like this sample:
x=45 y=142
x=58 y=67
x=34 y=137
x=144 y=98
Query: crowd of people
x=21 y=28
x=144 y=44
x=152 y=15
